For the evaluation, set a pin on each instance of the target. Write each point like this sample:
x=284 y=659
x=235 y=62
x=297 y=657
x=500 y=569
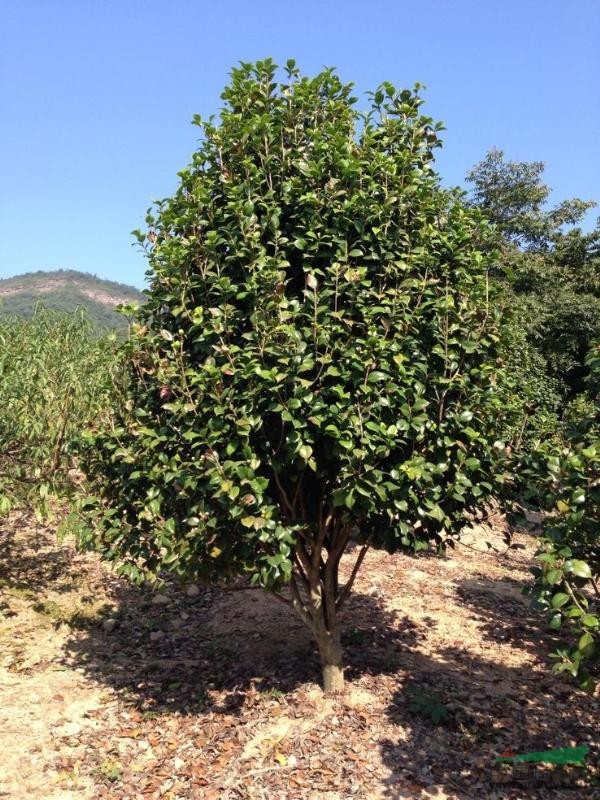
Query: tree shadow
x=204 y=653
x=207 y=652
x=505 y=616
x=461 y=711
x=33 y=565
x=488 y=708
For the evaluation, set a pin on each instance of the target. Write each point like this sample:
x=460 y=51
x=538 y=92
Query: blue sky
x=97 y=97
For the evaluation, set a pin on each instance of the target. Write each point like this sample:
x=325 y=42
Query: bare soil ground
x=111 y=691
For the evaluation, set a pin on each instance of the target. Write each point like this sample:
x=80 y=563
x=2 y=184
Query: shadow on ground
x=488 y=708
x=204 y=654
x=40 y=565
x=171 y=652
x=448 y=709
x=505 y=615
x=461 y=712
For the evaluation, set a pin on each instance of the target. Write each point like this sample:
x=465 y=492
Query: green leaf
x=554 y=576
x=555 y=622
x=436 y=512
x=586 y=644
x=305 y=452
x=559 y=600
x=579 y=568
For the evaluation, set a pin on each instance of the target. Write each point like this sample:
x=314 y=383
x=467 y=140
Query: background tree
x=549 y=272
x=316 y=362
x=550 y=275
x=512 y=195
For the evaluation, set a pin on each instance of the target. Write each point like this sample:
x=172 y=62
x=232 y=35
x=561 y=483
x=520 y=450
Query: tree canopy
x=316 y=362
x=513 y=197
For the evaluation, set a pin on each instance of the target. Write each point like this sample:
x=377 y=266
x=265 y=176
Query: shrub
x=316 y=362
x=56 y=377
x=567 y=580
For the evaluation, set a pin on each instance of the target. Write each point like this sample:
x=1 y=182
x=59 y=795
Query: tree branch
x=323 y=527
x=297 y=491
x=283 y=495
x=339 y=544
x=349 y=584
x=299 y=604
x=304 y=578
x=330 y=577
x=574 y=598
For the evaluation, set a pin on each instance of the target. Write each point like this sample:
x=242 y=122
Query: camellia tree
x=315 y=369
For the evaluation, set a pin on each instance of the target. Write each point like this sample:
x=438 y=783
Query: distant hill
x=66 y=290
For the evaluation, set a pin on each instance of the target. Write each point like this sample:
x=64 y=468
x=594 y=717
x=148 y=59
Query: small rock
x=109 y=624
x=292 y=761
x=160 y=600
x=68 y=729
x=156 y=636
x=193 y=591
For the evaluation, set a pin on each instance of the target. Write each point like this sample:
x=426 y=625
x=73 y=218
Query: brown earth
x=111 y=691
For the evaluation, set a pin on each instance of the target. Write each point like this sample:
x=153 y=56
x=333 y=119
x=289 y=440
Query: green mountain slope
x=66 y=290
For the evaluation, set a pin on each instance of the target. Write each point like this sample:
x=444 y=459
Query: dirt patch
x=110 y=691
x=44 y=703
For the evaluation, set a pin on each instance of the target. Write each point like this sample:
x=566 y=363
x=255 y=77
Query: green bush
x=56 y=377
x=531 y=399
x=317 y=358
x=567 y=578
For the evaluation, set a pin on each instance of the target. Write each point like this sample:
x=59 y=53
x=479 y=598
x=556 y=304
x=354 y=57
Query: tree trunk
x=316 y=605
x=330 y=651
x=316 y=597
x=327 y=632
